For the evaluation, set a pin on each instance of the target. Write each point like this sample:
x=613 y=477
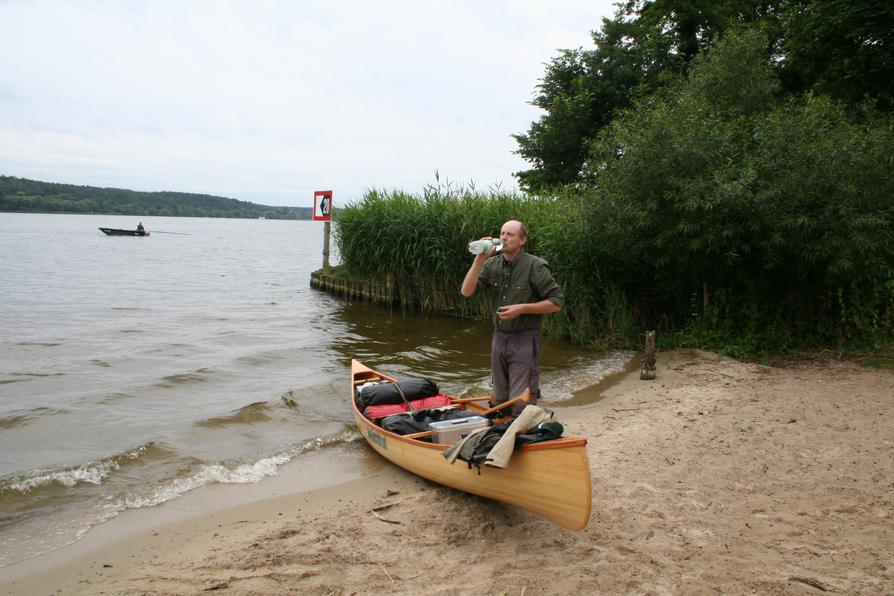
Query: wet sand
x=718 y=476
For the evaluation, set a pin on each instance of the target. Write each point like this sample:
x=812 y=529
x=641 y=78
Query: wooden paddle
x=465 y=400
x=525 y=397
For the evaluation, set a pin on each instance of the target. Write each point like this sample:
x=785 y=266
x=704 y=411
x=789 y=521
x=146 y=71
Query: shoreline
x=718 y=475
x=314 y=471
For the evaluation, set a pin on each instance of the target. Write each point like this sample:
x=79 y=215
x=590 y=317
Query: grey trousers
x=515 y=366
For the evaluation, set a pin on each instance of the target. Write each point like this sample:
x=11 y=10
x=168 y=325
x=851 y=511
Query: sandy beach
x=717 y=477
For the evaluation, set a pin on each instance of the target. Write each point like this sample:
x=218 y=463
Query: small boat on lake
x=549 y=478
x=117 y=232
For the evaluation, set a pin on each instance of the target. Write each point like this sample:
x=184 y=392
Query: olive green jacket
x=524 y=280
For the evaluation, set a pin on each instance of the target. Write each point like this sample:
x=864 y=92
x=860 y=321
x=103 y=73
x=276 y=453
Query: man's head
x=514 y=235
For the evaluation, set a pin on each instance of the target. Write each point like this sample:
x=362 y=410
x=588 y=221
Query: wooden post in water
x=326 y=225
x=647 y=372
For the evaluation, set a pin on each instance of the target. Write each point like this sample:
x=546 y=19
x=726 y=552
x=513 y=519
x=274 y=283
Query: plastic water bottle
x=477 y=247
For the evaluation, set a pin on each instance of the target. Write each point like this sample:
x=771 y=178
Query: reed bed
x=422 y=241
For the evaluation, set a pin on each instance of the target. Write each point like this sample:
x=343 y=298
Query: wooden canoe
x=117 y=232
x=550 y=478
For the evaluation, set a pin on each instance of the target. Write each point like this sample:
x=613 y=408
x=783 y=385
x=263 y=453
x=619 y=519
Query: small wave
x=221 y=473
x=17 y=420
x=45 y=344
x=348 y=435
x=208 y=474
x=580 y=376
x=167 y=348
x=111 y=398
x=38 y=375
x=416 y=355
x=258 y=359
x=432 y=352
x=198 y=376
x=91 y=473
x=258 y=411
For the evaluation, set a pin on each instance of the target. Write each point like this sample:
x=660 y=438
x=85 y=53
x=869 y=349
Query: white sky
x=267 y=101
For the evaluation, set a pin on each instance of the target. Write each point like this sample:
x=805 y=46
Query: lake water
x=135 y=370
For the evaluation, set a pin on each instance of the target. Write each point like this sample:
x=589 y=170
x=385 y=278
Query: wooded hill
x=32 y=196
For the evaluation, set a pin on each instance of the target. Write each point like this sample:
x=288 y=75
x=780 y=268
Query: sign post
x=323 y=212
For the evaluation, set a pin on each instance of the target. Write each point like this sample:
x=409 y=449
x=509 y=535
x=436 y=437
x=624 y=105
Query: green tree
x=637 y=52
x=775 y=213
x=843 y=48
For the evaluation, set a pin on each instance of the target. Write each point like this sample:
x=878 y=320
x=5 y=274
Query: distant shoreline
x=148 y=215
x=21 y=195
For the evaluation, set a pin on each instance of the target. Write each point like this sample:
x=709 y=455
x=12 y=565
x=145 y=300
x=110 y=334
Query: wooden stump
x=647 y=372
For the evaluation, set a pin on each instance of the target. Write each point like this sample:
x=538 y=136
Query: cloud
x=266 y=101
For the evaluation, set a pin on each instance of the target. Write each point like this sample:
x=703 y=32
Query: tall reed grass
x=422 y=241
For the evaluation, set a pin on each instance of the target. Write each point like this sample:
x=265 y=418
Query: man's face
x=511 y=236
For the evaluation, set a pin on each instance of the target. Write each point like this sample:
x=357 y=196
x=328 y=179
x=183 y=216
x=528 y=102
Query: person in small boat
x=140 y=228
x=522 y=290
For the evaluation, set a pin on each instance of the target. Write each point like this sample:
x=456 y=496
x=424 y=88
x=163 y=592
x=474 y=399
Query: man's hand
x=512 y=311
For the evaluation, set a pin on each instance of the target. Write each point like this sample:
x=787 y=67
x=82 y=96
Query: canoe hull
x=117 y=232
x=550 y=479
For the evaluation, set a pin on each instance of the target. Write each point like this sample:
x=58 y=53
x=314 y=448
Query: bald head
x=518 y=227
x=514 y=235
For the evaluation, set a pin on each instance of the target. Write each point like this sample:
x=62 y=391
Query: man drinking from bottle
x=522 y=290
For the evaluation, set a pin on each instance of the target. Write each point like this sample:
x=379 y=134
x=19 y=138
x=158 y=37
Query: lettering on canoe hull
x=377 y=438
